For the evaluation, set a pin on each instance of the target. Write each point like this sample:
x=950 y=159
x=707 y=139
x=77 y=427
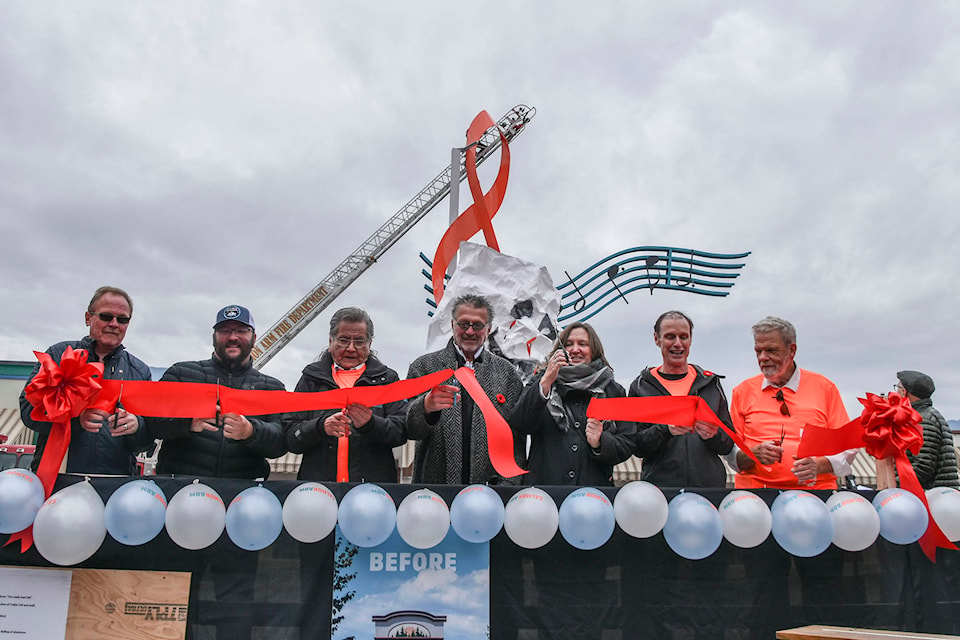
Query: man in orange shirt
x=771 y=410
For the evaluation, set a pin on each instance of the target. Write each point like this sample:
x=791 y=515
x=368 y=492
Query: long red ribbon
x=485 y=206
x=499 y=435
x=888 y=427
x=681 y=411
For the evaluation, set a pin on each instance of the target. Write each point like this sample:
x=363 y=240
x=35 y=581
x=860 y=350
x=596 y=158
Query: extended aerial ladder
x=344 y=274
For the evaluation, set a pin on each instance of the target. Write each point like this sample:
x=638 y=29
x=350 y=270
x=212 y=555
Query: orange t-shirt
x=756 y=416
x=346 y=378
x=679 y=387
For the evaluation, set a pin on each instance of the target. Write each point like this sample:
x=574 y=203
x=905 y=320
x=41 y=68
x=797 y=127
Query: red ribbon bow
x=888 y=428
x=58 y=393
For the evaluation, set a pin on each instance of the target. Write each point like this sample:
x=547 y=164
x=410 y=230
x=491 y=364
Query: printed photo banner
x=888 y=427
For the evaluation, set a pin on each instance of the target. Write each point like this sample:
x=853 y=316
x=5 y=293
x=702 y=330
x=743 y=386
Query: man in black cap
x=229 y=445
x=936 y=463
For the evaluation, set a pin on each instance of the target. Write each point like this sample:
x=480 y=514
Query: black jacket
x=936 y=462
x=687 y=460
x=99 y=453
x=370 y=446
x=557 y=457
x=208 y=453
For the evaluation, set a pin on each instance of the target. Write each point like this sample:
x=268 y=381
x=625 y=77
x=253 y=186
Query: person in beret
x=936 y=462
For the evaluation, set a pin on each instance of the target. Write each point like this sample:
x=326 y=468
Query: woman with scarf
x=566 y=447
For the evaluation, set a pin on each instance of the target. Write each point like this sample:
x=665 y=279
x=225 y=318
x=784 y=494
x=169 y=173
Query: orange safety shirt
x=756 y=415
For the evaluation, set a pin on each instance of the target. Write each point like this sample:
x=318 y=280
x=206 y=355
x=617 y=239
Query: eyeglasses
x=476 y=326
x=344 y=342
x=226 y=332
x=784 y=409
x=898 y=387
x=108 y=318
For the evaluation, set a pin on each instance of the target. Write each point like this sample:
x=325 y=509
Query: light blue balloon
x=801 y=523
x=587 y=518
x=135 y=512
x=367 y=515
x=254 y=519
x=476 y=514
x=694 y=529
x=903 y=518
x=21 y=496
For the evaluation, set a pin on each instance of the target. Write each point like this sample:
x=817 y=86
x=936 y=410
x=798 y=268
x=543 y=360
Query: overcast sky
x=201 y=154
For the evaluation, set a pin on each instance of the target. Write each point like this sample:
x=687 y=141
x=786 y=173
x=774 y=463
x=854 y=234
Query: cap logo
x=231 y=312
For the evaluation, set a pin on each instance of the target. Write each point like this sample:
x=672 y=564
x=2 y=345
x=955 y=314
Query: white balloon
x=367 y=515
x=945 y=506
x=423 y=519
x=746 y=519
x=903 y=518
x=254 y=519
x=856 y=524
x=196 y=516
x=21 y=496
x=310 y=512
x=641 y=509
x=531 y=518
x=135 y=512
x=69 y=528
x=477 y=513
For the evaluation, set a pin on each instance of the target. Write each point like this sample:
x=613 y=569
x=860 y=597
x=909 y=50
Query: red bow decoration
x=888 y=428
x=58 y=393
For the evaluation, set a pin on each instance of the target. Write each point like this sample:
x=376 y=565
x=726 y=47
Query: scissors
x=117 y=408
x=218 y=404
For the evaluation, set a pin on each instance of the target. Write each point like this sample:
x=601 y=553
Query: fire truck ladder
x=321 y=296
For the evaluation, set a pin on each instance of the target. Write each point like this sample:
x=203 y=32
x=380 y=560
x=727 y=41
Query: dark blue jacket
x=99 y=453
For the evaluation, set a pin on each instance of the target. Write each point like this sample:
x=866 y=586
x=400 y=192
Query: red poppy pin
x=500 y=398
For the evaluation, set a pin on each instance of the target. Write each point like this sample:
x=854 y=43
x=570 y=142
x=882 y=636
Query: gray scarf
x=593 y=378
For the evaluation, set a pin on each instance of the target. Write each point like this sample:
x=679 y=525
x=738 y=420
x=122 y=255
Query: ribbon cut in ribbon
x=888 y=428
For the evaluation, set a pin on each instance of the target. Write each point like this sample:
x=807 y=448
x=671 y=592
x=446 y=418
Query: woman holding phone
x=566 y=447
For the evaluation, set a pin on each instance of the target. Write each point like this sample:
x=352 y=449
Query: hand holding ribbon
x=888 y=428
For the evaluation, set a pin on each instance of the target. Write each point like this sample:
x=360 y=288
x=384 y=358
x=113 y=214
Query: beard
x=231 y=362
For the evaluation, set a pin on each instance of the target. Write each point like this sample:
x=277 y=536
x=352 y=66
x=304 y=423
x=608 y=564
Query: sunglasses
x=108 y=317
x=476 y=326
x=784 y=409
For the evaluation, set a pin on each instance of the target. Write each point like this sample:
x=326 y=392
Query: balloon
x=801 y=523
x=423 y=519
x=135 y=512
x=21 y=496
x=367 y=515
x=945 y=506
x=69 y=527
x=903 y=518
x=531 y=518
x=746 y=519
x=254 y=519
x=855 y=521
x=310 y=512
x=586 y=518
x=693 y=529
x=477 y=513
x=195 y=516
x=641 y=509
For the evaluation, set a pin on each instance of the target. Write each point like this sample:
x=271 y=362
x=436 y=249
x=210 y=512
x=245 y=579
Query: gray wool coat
x=440 y=435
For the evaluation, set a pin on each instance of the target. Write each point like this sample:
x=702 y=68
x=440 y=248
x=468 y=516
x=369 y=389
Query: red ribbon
x=499 y=435
x=58 y=393
x=681 y=411
x=888 y=427
x=480 y=214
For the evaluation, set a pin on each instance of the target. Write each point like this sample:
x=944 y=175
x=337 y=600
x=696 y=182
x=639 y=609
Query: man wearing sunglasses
x=101 y=442
x=450 y=429
x=224 y=445
x=771 y=410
